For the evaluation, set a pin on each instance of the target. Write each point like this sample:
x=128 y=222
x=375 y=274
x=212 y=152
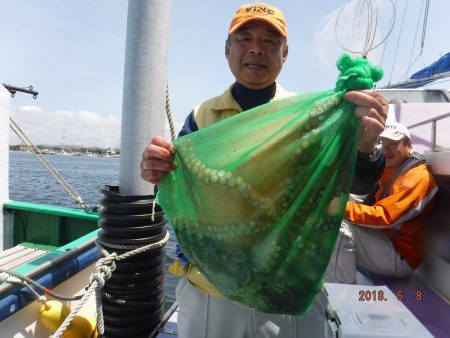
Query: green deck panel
x=51 y=228
x=49 y=225
x=50 y=209
x=38 y=246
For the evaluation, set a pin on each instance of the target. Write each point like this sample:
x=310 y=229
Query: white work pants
x=203 y=316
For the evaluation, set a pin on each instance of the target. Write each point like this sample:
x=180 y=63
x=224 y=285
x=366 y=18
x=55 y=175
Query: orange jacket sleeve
x=407 y=197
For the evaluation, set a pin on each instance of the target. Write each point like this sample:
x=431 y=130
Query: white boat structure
x=56 y=246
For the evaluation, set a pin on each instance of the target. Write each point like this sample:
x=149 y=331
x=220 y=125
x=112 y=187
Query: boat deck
x=427 y=306
x=170 y=329
x=18 y=255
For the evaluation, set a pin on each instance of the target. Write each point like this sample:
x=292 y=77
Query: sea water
x=29 y=181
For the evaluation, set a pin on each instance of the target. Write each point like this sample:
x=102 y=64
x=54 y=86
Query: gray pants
x=203 y=316
x=367 y=248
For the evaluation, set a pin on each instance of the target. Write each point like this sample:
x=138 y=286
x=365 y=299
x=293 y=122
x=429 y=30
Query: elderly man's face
x=255 y=54
x=396 y=152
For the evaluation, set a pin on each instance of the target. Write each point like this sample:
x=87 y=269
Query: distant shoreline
x=69 y=150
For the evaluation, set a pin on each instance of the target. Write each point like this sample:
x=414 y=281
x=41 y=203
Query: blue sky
x=72 y=52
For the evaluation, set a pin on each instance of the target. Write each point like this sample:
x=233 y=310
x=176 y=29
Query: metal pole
x=144 y=89
x=4 y=167
x=134 y=299
x=14 y=89
x=433 y=136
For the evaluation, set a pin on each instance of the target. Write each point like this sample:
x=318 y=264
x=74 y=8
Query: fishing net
x=258 y=198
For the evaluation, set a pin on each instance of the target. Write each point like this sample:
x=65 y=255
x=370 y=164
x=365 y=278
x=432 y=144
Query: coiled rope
x=103 y=270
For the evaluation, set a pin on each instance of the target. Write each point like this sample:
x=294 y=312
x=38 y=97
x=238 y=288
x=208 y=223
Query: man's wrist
x=371 y=155
x=367 y=147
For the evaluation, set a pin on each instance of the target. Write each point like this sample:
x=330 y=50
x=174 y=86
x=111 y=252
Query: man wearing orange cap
x=256 y=49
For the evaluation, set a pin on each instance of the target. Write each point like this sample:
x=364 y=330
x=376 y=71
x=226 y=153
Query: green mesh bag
x=258 y=198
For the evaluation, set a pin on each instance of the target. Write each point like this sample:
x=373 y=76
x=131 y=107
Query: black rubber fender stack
x=133 y=298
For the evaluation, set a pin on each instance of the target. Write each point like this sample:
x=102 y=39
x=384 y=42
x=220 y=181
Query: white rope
x=169 y=115
x=7 y=278
x=16 y=278
x=136 y=251
x=153 y=209
x=39 y=298
x=103 y=271
x=398 y=41
x=63 y=327
x=50 y=168
x=424 y=29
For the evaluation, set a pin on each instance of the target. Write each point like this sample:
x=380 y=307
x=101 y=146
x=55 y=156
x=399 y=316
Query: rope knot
x=99 y=277
x=356 y=73
x=108 y=260
x=103 y=269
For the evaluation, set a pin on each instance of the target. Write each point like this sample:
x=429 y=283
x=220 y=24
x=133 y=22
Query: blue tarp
x=440 y=66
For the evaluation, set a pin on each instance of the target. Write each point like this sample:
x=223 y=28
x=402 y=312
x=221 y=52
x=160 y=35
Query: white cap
x=395 y=131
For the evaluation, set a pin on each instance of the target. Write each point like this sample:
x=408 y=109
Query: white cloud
x=32 y=109
x=63 y=127
x=83 y=128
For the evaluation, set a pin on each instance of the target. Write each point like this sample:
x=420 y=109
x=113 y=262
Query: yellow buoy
x=53 y=313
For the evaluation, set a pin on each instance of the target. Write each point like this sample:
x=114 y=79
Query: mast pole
x=125 y=217
x=144 y=88
x=5 y=228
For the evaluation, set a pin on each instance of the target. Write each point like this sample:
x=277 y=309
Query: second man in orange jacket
x=388 y=232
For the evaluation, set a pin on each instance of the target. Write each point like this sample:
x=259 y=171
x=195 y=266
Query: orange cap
x=262 y=12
